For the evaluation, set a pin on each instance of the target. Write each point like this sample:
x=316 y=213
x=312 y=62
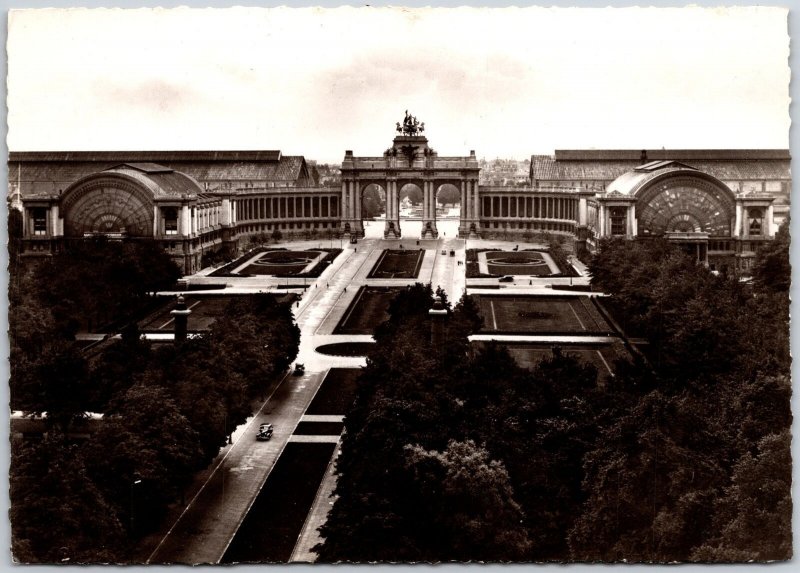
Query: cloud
x=155 y=96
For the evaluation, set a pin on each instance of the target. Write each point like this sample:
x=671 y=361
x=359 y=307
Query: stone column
x=343 y=214
x=770 y=222
x=476 y=214
x=601 y=215
x=746 y=222
x=737 y=226
x=156 y=220
x=186 y=225
x=225 y=215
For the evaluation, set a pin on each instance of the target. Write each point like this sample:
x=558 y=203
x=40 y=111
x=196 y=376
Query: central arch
x=410 y=160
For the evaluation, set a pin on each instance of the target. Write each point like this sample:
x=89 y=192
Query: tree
x=57 y=513
x=448 y=195
x=466 y=505
x=753 y=519
x=145 y=437
x=773 y=271
x=57 y=385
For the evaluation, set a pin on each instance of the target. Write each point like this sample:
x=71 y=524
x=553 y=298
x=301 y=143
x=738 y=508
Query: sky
x=316 y=82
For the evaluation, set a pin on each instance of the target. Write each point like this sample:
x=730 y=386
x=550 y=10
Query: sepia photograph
x=373 y=284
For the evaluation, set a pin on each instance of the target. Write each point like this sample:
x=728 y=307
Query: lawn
x=530 y=263
x=540 y=315
x=368 y=309
x=205 y=310
x=346 y=348
x=279 y=262
x=336 y=395
x=397 y=264
x=602 y=356
x=319 y=429
x=270 y=530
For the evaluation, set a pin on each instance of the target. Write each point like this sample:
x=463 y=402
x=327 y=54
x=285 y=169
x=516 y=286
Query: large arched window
x=684 y=205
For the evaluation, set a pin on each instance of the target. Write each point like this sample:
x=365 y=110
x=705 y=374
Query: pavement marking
x=604 y=362
x=313 y=440
x=221 y=464
x=171 y=319
x=569 y=304
x=321 y=418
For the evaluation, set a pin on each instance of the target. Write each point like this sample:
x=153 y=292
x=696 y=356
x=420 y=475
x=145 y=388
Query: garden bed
x=397 y=264
x=350 y=349
x=335 y=396
x=541 y=315
x=279 y=262
x=369 y=308
x=271 y=527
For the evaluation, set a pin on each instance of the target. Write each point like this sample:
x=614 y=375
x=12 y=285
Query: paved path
x=222 y=495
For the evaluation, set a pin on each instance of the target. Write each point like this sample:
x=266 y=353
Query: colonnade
x=287 y=207
x=530 y=207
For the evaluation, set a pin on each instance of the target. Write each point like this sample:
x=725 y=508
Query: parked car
x=506 y=279
x=264 y=432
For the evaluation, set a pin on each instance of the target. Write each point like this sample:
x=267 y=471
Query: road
x=201 y=531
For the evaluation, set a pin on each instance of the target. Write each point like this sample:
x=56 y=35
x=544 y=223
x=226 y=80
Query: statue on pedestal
x=411 y=126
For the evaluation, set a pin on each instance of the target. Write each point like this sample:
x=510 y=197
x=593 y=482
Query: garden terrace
x=205 y=310
x=397 y=264
x=336 y=394
x=270 y=529
x=602 y=356
x=346 y=348
x=280 y=263
x=368 y=309
x=528 y=263
x=541 y=315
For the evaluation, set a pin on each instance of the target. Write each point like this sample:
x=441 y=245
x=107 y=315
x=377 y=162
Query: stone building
x=718 y=204
x=190 y=202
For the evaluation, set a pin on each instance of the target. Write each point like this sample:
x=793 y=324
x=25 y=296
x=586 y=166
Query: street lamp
x=133 y=506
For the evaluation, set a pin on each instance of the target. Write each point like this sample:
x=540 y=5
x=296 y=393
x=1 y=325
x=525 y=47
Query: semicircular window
x=109 y=210
x=684 y=209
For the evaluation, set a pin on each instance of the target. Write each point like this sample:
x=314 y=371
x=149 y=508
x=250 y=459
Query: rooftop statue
x=410 y=126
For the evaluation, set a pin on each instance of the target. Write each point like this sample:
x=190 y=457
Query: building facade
x=191 y=203
x=719 y=204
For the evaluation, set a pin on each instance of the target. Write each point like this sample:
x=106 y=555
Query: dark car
x=264 y=432
x=506 y=279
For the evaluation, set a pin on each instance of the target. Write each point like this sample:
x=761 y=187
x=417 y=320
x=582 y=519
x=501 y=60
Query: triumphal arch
x=410 y=160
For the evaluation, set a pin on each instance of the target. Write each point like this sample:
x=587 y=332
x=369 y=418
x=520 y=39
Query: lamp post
x=133 y=506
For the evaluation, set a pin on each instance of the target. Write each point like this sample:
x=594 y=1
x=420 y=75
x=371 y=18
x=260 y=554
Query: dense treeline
x=167 y=411
x=456 y=454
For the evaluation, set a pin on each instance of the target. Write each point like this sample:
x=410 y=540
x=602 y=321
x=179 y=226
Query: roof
x=597 y=165
x=144 y=156
x=676 y=154
x=49 y=173
x=631 y=182
x=163 y=184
